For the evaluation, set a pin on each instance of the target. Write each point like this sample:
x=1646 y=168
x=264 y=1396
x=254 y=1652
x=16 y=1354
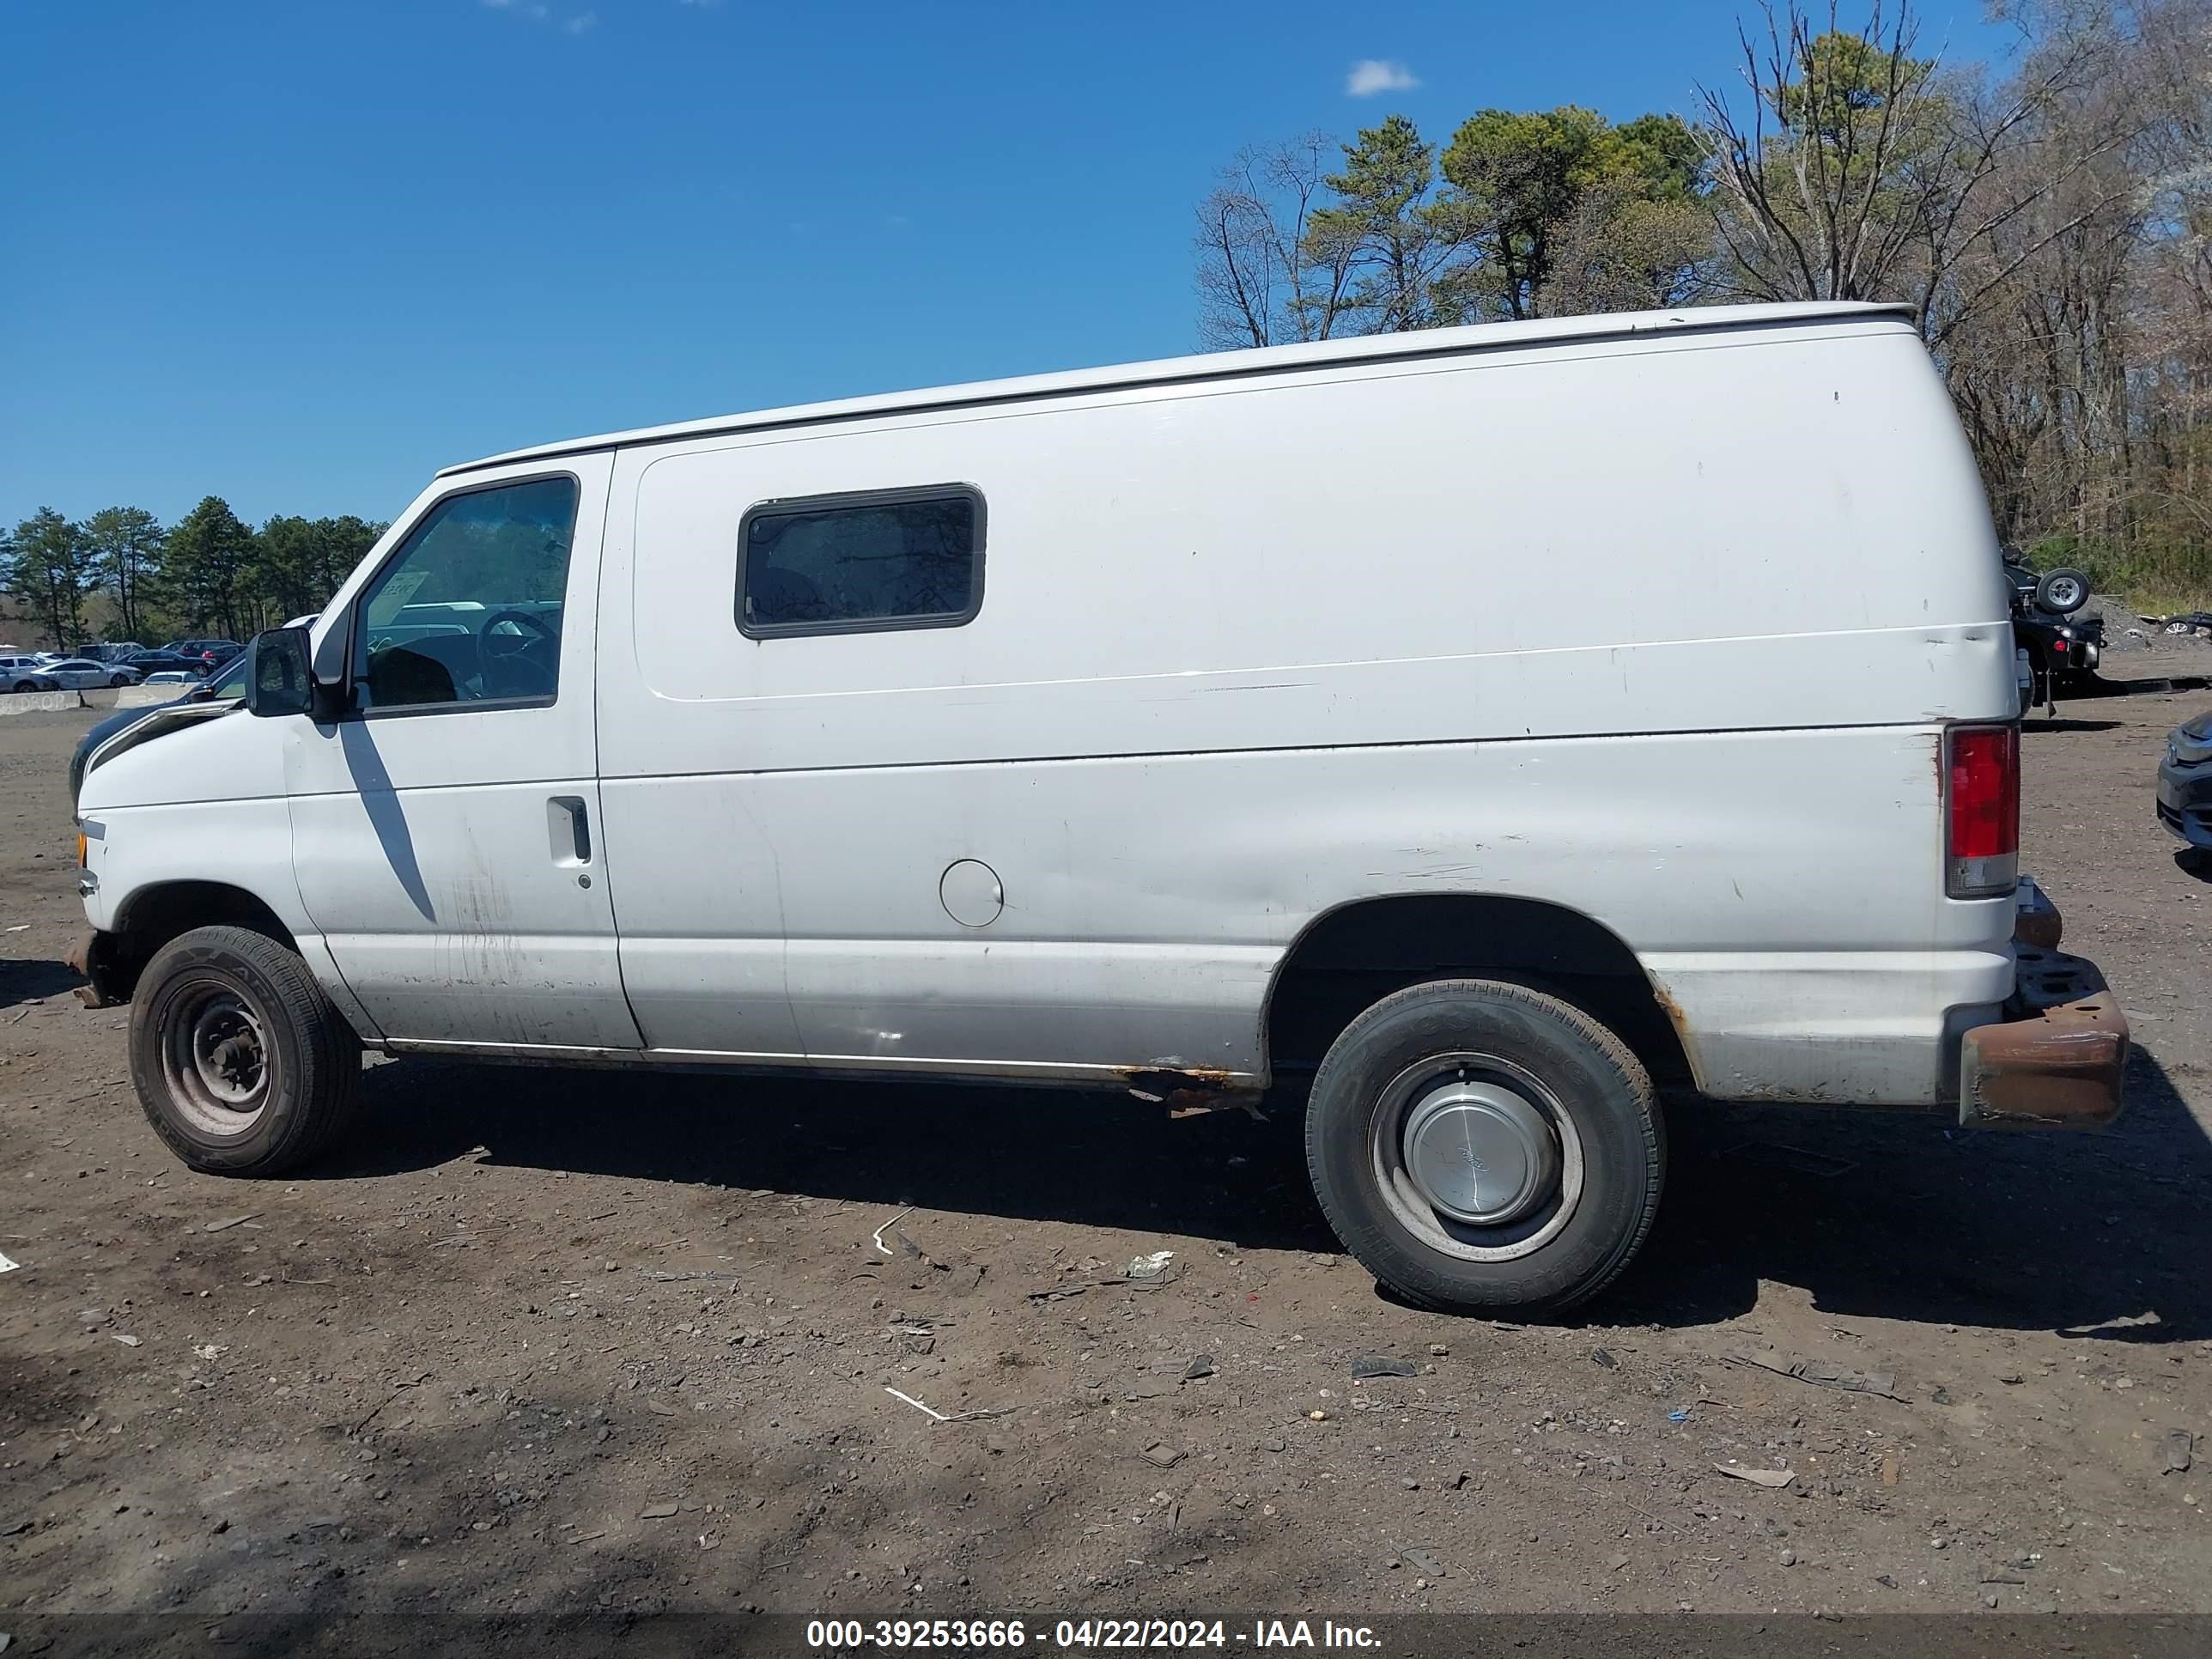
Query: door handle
x=568 y=831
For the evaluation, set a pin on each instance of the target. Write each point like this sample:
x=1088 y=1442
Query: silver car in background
x=83 y=673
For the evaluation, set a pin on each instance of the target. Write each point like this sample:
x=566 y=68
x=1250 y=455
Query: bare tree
x=1262 y=278
x=1861 y=172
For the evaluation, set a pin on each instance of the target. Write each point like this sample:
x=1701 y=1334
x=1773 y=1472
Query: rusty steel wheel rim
x=217 y=1057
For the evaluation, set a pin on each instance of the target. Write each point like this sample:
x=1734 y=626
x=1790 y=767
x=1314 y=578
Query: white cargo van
x=1491 y=725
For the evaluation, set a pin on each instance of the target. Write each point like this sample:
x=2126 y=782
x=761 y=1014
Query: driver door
x=445 y=826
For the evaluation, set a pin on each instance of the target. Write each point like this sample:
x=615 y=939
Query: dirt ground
x=534 y=1341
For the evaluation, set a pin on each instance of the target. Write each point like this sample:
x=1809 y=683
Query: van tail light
x=1981 y=809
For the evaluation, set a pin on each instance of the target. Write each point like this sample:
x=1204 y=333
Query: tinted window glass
x=469 y=608
x=909 y=558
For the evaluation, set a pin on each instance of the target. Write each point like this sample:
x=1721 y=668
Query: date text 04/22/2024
x=1086 y=1635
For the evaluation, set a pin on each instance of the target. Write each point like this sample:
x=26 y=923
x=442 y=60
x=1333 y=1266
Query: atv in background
x=2063 y=646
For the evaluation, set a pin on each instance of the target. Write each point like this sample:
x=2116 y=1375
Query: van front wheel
x=241 y=1064
x=1478 y=1146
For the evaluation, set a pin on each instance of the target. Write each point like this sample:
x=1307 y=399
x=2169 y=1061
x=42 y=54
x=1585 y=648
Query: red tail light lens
x=1981 y=806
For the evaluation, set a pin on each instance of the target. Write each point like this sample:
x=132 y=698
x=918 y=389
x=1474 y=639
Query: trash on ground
x=1680 y=1414
x=211 y=1350
x=1382 y=1365
x=1202 y=1365
x=878 y=1235
x=1774 y=1479
x=939 y=1416
x=1423 y=1562
x=132 y=1342
x=2180 y=1450
x=7 y=1267
x=1161 y=1455
x=1821 y=1373
x=1148 y=1266
x=1058 y=1292
x=228 y=1222
x=1605 y=1358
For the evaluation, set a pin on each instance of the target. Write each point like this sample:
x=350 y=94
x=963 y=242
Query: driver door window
x=469 y=611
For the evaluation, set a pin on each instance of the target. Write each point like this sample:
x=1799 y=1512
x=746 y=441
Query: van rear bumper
x=2009 y=1034
x=2055 y=1060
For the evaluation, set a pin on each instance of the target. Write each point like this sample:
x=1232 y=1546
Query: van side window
x=834 y=564
x=469 y=610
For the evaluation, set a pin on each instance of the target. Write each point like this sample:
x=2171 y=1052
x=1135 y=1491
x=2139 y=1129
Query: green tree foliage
x=1523 y=181
x=50 y=569
x=127 y=544
x=302 y=561
x=212 y=558
x=1384 y=229
x=1392 y=241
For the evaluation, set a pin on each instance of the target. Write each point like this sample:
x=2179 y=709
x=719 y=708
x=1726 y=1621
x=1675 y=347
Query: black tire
x=245 y=1000
x=1563 y=1064
x=117 y=682
x=2063 y=592
x=25 y=685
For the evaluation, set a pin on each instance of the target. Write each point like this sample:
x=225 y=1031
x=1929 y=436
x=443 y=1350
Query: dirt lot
x=625 y=1343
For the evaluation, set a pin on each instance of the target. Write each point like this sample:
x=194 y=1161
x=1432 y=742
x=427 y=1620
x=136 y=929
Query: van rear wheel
x=1478 y=1146
x=241 y=1064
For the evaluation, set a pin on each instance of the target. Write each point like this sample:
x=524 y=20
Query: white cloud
x=536 y=12
x=1372 y=74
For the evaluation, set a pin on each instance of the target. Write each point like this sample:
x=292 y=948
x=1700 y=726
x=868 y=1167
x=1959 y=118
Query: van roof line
x=1223 y=365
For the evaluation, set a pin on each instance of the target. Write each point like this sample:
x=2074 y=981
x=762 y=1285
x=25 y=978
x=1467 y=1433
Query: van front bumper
x=95 y=956
x=2055 y=1060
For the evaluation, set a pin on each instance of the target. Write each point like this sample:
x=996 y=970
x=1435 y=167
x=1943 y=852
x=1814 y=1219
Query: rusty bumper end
x=2055 y=1061
x=93 y=957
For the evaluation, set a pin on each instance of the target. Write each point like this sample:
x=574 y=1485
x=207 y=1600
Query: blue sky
x=301 y=252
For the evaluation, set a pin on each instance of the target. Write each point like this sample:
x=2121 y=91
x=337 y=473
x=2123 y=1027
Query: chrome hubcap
x=1480 y=1152
x=1476 y=1157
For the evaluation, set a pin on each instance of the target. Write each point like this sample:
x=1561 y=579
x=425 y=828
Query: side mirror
x=277 y=680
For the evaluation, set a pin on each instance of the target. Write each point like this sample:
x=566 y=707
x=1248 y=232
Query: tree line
x=122 y=574
x=2049 y=225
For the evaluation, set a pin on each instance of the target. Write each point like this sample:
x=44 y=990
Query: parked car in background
x=112 y=650
x=155 y=662
x=214 y=653
x=2185 y=781
x=2064 y=647
x=27 y=672
x=81 y=673
x=169 y=676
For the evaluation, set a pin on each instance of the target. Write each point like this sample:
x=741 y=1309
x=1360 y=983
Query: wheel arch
x=1349 y=957
x=151 y=917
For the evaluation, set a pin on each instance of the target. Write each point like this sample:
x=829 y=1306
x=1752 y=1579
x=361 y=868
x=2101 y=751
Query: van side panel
x=1662 y=631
